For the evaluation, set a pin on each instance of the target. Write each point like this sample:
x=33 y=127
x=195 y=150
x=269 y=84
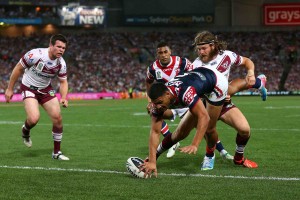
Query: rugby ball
x=132 y=166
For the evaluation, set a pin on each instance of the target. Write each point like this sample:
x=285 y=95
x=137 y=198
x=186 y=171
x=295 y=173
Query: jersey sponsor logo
x=174 y=83
x=188 y=96
x=35 y=72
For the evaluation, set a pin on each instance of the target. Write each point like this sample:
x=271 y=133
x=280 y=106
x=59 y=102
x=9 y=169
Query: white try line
x=160 y=174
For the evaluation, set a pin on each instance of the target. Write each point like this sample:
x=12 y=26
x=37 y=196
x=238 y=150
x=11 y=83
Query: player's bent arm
x=238 y=84
x=156 y=124
x=16 y=73
x=202 y=122
x=63 y=89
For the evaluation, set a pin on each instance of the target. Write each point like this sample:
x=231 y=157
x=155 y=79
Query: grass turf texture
x=99 y=136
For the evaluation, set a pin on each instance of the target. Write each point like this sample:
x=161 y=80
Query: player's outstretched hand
x=149 y=107
x=191 y=149
x=64 y=103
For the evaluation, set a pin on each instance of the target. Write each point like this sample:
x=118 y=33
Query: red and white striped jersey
x=222 y=63
x=40 y=69
x=157 y=72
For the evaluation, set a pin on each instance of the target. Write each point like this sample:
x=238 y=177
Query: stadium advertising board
x=79 y=15
x=282 y=14
x=34 y=21
x=169 y=20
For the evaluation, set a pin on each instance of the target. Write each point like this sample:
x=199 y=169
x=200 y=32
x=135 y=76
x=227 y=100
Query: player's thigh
x=214 y=113
x=31 y=106
x=185 y=126
x=52 y=108
x=236 y=119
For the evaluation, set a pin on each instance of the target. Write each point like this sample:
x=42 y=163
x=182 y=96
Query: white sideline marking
x=140 y=114
x=142 y=126
x=282 y=107
x=292 y=116
x=161 y=174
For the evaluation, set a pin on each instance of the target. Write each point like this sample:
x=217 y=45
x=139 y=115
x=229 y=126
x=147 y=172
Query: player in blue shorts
x=186 y=91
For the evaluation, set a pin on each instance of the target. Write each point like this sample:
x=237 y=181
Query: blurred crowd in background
x=117 y=61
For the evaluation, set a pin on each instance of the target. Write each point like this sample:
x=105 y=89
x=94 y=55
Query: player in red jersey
x=39 y=67
x=212 y=53
x=163 y=70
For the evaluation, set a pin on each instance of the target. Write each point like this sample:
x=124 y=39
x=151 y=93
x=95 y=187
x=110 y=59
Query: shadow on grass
x=31 y=152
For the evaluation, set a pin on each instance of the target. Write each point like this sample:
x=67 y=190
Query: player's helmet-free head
x=206 y=37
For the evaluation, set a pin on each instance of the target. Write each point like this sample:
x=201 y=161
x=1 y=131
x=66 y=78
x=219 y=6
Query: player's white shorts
x=178 y=112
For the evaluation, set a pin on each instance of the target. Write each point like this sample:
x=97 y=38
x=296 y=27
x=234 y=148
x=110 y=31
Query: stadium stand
x=106 y=61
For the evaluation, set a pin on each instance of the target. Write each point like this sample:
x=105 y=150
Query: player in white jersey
x=163 y=70
x=39 y=67
x=212 y=53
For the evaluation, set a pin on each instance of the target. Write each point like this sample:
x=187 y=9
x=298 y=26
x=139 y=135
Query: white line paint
x=140 y=114
x=282 y=107
x=160 y=174
x=292 y=116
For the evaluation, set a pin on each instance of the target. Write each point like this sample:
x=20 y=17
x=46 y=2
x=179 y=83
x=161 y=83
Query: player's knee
x=57 y=119
x=244 y=131
x=33 y=120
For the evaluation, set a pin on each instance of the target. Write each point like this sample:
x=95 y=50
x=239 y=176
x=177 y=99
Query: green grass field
x=99 y=136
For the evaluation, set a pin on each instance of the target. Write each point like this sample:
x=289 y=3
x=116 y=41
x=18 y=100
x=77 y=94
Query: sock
x=164 y=145
x=26 y=129
x=240 y=147
x=25 y=132
x=219 y=146
x=257 y=84
x=165 y=129
x=57 y=136
x=210 y=151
